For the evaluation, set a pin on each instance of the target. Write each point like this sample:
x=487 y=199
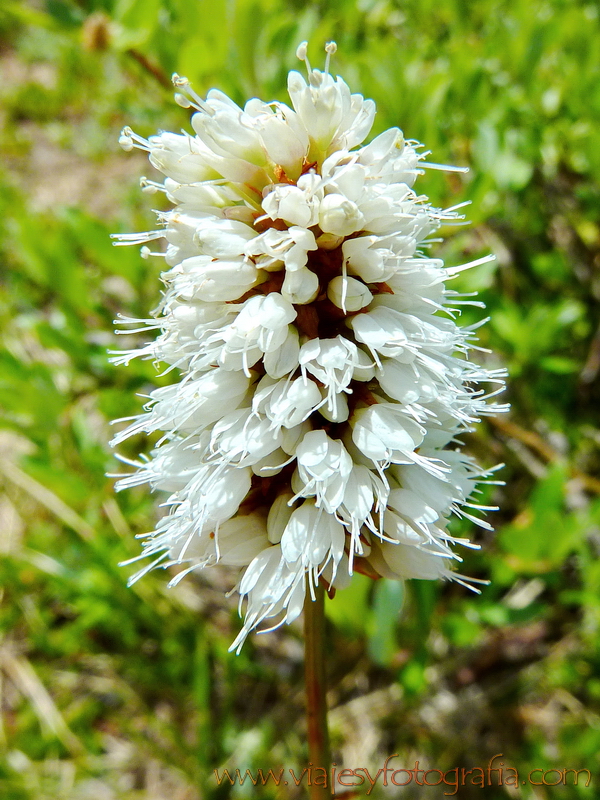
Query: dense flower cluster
x=323 y=379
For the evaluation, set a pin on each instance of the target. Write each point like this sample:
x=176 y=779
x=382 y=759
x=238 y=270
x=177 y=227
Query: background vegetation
x=123 y=694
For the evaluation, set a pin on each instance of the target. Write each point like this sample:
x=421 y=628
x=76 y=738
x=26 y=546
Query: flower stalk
x=316 y=690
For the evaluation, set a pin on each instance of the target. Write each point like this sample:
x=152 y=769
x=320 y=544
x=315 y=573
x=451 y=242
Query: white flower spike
x=323 y=381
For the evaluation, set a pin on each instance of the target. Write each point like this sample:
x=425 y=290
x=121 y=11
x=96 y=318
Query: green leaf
x=349 y=609
x=388 y=602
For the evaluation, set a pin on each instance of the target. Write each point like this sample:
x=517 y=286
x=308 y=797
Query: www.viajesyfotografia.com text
x=495 y=773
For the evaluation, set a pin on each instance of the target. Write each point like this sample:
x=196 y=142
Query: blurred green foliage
x=118 y=693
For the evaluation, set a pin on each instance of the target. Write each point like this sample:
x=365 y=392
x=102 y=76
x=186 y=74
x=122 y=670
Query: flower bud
x=339 y=215
x=300 y=287
x=279 y=516
x=348 y=294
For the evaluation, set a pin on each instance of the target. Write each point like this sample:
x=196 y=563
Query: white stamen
x=302 y=54
x=182 y=100
x=444 y=167
x=330 y=49
x=193 y=99
x=128 y=139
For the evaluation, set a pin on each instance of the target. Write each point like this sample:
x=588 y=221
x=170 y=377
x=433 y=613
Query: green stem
x=316 y=692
